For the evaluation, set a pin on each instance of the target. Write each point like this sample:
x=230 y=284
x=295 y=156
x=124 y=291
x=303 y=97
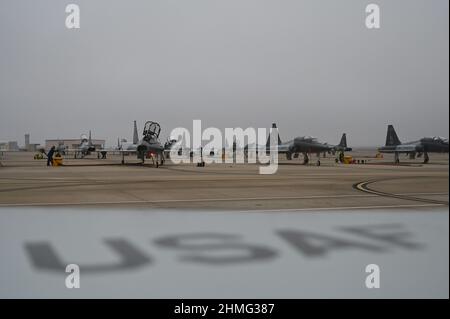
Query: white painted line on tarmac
x=205 y=200
x=336 y=208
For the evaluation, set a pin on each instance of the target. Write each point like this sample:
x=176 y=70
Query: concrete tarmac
x=229 y=232
x=106 y=183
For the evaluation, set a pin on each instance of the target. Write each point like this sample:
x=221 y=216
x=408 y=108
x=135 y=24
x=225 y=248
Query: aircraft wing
x=404 y=148
x=283 y=148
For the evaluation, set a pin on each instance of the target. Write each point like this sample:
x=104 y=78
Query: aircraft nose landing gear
x=157 y=159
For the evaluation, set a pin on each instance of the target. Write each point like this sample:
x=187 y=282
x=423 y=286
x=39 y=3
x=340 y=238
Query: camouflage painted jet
x=421 y=147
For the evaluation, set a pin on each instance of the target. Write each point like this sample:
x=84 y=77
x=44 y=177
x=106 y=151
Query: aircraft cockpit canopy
x=440 y=139
x=152 y=129
x=310 y=138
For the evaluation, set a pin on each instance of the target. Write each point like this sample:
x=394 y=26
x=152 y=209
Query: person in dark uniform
x=50 y=156
x=341 y=157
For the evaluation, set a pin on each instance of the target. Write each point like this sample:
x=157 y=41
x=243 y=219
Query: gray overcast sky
x=311 y=66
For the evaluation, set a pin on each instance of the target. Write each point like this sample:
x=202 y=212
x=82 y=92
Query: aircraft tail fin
x=90 y=138
x=343 y=142
x=274 y=125
x=391 y=137
x=135 y=134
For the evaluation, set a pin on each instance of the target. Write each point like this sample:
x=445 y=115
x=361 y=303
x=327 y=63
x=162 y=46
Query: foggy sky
x=311 y=66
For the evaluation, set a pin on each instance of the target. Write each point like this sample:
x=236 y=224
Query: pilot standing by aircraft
x=50 y=156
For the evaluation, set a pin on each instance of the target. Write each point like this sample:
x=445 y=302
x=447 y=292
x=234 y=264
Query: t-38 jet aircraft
x=149 y=147
x=125 y=146
x=84 y=148
x=308 y=145
x=421 y=147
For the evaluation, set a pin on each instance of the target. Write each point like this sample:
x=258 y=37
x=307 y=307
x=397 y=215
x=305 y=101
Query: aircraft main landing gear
x=426 y=158
x=305 y=159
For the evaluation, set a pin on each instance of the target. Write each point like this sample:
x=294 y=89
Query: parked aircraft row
x=150 y=147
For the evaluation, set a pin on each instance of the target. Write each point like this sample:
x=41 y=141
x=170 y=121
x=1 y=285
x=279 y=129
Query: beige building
x=72 y=143
x=9 y=146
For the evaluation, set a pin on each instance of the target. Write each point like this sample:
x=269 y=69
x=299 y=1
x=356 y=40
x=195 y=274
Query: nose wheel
x=158 y=160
